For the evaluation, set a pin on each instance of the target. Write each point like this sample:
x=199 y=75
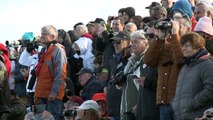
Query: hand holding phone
x=140 y=80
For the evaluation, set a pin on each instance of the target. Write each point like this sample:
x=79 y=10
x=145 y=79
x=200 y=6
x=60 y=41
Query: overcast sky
x=20 y=16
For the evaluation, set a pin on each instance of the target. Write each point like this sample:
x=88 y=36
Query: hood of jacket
x=183 y=6
x=83 y=44
x=4 y=49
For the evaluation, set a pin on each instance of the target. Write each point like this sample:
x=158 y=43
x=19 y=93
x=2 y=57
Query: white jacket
x=85 y=53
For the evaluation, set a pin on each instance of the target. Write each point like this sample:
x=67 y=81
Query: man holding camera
x=121 y=43
x=165 y=53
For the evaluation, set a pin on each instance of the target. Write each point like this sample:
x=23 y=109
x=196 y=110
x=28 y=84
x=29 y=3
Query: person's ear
x=208 y=14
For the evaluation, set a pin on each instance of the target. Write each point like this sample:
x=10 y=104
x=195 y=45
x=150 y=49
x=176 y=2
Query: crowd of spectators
x=156 y=67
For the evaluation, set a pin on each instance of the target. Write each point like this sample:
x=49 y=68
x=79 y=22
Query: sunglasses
x=150 y=35
x=208 y=117
x=116 y=42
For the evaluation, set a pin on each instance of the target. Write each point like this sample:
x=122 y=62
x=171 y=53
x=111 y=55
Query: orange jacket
x=52 y=73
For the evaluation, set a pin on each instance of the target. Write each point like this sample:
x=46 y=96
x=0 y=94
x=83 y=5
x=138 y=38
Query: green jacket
x=17 y=111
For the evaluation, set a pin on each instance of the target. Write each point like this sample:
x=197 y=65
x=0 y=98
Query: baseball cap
x=121 y=35
x=84 y=70
x=89 y=104
x=91 y=23
x=153 y=4
x=99 y=96
x=99 y=20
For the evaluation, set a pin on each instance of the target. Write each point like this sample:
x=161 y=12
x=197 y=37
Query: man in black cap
x=90 y=84
x=121 y=43
x=150 y=7
x=128 y=13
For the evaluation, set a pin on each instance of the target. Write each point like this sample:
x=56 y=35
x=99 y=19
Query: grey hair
x=139 y=34
x=81 y=29
x=51 y=30
x=206 y=7
x=131 y=24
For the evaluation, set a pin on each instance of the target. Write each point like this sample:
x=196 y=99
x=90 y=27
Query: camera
x=163 y=25
x=72 y=113
x=39 y=108
x=32 y=46
x=111 y=18
x=119 y=78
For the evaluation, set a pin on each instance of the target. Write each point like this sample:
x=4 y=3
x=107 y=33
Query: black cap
x=99 y=20
x=153 y=4
x=79 y=23
x=121 y=35
x=84 y=70
x=130 y=11
x=91 y=23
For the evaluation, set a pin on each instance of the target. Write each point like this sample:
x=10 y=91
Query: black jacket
x=92 y=86
x=146 y=104
x=113 y=94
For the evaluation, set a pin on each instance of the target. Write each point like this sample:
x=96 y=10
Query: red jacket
x=6 y=58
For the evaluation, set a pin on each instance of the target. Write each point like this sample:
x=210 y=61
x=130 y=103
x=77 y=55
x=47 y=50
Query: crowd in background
x=157 y=67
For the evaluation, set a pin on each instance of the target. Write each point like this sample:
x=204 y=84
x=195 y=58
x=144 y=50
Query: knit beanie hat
x=183 y=6
x=205 y=25
x=130 y=11
x=28 y=36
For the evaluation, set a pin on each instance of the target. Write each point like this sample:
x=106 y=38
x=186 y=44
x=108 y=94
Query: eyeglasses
x=116 y=42
x=150 y=35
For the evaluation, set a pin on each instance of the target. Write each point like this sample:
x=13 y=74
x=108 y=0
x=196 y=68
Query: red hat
x=99 y=96
x=76 y=99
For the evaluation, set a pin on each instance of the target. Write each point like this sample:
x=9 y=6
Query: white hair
x=129 y=24
x=51 y=30
x=130 y=27
x=81 y=29
x=139 y=34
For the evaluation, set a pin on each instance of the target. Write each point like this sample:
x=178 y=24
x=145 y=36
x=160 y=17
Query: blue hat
x=28 y=36
x=183 y=6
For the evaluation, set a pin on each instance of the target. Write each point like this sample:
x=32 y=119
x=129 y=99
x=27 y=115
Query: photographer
x=166 y=54
x=23 y=65
x=88 y=110
x=121 y=43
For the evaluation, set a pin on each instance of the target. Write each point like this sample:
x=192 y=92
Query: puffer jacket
x=194 y=91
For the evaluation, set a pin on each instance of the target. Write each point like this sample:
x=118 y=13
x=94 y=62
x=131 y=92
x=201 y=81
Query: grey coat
x=194 y=92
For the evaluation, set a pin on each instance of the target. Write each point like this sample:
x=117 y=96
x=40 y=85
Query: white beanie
x=205 y=25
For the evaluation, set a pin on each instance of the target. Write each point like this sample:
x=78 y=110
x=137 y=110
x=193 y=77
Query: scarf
x=196 y=56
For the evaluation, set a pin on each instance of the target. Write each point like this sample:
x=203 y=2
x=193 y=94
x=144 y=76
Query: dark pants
x=54 y=107
x=130 y=116
x=167 y=113
x=31 y=98
x=115 y=118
